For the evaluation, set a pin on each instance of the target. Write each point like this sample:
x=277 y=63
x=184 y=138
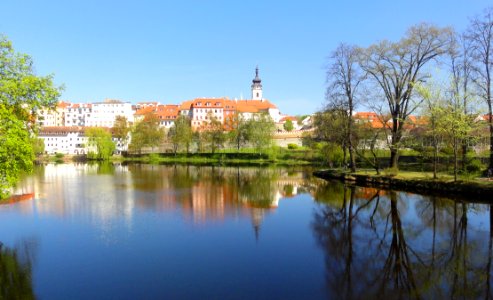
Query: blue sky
x=171 y=51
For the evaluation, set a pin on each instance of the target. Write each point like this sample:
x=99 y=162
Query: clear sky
x=171 y=51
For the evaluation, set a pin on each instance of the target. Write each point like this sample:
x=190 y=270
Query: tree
x=344 y=78
x=434 y=112
x=288 y=125
x=331 y=127
x=146 y=133
x=238 y=130
x=397 y=67
x=121 y=128
x=214 y=133
x=480 y=35
x=181 y=133
x=260 y=131
x=100 y=139
x=38 y=146
x=22 y=94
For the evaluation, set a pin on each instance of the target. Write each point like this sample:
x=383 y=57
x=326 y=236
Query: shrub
x=292 y=146
x=59 y=155
x=474 y=165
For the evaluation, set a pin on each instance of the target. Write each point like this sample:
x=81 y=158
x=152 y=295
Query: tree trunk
x=394 y=158
x=435 y=162
x=352 y=158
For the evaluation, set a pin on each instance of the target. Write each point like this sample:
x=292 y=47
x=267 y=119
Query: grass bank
x=218 y=158
x=417 y=182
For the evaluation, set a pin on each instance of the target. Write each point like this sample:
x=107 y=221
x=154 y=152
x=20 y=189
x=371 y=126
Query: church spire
x=256 y=86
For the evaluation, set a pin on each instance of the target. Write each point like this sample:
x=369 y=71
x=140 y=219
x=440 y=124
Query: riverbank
x=416 y=184
x=217 y=158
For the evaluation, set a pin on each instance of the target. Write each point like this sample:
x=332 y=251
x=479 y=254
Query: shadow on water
x=15 y=271
x=384 y=244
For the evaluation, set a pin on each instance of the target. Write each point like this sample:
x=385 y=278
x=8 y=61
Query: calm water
x=144 y=231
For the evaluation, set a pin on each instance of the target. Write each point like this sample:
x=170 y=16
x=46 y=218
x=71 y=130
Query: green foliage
x=474 y=166
x=181 y=134
x=214 y=134
x=288 y=125
x=59 y=155
x=38 y=146
x=99 y=139
x=334 y=154
x=121 y=128
x=238 y=134
x=292 y=146
x=16 y=152
x=22 y=93
x=260 y=130
x=146 y=133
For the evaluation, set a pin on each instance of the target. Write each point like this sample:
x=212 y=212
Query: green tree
x=181 y=133
x=214 y=133
x=288 y=125
x=38 y=146
x=22 y=94
x=100 y=139
x=146 y=133
x=121 y=128
x=261 y=129
x=238 y=130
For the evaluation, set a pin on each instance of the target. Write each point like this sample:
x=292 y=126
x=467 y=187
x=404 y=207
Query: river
x=80 y=231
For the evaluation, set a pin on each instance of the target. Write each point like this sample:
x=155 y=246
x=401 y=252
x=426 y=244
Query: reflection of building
x=202 y=194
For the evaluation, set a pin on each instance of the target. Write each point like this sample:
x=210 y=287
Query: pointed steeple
x=256 y=86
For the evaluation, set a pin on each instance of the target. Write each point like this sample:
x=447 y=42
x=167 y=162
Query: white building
x=52 y=117
x=77 y=114
x=104 y=113
x=66 y=140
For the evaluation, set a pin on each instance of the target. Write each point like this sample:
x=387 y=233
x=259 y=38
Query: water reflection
x=395 y=245
x=15 y=271
x=105 y=192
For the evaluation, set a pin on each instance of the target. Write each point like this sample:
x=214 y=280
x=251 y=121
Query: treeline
x=237 y=132
x=441 y=75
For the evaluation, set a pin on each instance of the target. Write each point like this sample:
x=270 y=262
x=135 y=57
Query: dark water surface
x=178 y=232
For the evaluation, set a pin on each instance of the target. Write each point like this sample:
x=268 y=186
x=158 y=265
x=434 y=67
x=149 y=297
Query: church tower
x=256 y=86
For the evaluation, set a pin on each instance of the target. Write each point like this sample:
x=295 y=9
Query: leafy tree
x=100 y=139
x=238 y=130
x=121 y=128
x=261 y=131
x=396 y=67
x=181 y=133
x=331 y=127
x=146 y=133
x=214 y=133
x=38 y=146
x=22 y=94
x=288 y=125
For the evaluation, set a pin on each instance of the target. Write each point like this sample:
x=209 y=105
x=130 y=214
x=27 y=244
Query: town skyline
x=172 y=52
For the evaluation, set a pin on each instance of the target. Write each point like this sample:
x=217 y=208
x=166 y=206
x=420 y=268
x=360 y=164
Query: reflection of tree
x=380 y=247
x=15 y=273
x=397 y=273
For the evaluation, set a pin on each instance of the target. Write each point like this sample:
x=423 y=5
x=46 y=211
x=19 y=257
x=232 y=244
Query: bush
x=474 y=165
x=59 y=155
x=292 y=146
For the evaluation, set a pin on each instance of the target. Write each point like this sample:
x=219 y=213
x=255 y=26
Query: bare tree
x=480 y=34
x=397 y=67
x=344 y=77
